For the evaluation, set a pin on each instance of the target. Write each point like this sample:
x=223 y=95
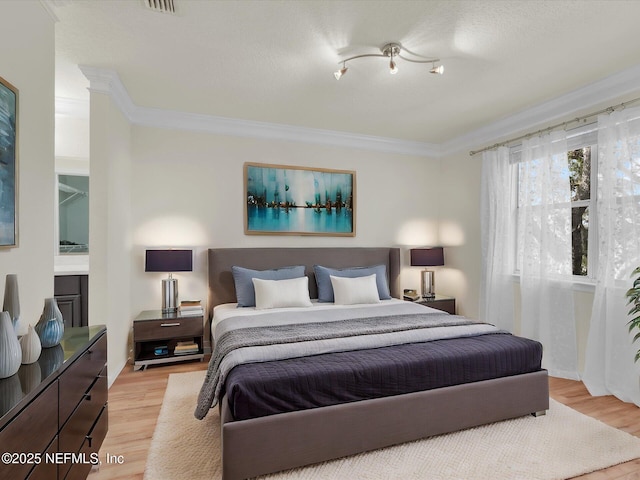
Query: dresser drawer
x=46 y=470
x=38 y=424
x=90 y=448
x=79 y=377
x=82 y=419
x=167 y=329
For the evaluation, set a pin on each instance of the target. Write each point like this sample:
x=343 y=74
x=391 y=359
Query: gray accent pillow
x=242 y=277
x=325 y=289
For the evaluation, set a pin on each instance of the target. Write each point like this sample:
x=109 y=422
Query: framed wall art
x=8 y=147
x=286 y=200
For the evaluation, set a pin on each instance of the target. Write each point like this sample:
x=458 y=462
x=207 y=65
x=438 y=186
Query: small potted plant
x=633 y=294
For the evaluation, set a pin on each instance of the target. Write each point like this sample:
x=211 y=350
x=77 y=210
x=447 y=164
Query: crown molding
x=108 y=82
x=563 y=107
x=248 y=128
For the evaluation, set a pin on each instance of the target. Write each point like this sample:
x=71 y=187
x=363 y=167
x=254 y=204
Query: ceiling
x=273 y=61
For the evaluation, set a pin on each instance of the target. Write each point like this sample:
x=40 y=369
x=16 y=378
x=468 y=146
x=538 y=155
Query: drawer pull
x=87 y=397
x=177 y=324
x=89 y=439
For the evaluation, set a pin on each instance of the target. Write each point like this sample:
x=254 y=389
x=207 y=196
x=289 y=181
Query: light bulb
x=339 y=73
x=393 y=68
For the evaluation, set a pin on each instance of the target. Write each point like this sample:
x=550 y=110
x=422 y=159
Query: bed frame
x=279 y=442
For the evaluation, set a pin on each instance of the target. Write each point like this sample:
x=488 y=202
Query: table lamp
x=427 y=257
x=169 y=261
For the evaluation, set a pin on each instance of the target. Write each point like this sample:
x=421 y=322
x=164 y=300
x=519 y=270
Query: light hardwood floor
x=135 y=399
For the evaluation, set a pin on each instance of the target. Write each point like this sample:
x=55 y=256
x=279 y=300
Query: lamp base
x=169 y=295
x=428 y=284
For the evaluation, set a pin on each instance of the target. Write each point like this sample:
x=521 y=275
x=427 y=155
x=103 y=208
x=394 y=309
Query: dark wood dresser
x=54 y=412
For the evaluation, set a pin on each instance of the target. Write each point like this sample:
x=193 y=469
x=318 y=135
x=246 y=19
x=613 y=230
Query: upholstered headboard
x=222 y=289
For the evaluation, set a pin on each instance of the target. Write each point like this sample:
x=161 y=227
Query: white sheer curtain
x=609 y=365
x=544 y=251
x=496 y=217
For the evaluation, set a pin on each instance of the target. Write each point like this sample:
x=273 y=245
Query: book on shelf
x=191 y=307
x=190 y=304
x=184 y=348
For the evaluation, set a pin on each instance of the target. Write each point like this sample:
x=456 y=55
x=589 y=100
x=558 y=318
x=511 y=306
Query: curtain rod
x=558 y=125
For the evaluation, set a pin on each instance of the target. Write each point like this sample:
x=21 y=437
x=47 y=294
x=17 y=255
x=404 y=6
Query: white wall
x=109 y=228
x=27 y=62
x=459 y=231
x=72 y=137
x=187 y=191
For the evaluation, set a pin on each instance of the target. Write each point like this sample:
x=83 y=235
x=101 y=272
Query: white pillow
x=293 y=292
x=351 y=291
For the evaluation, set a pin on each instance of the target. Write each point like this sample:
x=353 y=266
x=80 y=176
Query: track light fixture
x=391 y=51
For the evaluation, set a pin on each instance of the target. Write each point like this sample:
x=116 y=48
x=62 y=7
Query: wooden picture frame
x=291 y=200
x=8 y=164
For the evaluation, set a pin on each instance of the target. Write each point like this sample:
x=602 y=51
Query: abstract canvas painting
x=8 y=123
x=286 y=200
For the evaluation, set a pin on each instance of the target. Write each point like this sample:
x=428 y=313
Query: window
x=582 y=178
x=580 y=181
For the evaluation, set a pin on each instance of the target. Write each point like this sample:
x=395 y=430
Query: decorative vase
x=10 y=354
x=31 y=347
x=50 y=327
x=11 y=300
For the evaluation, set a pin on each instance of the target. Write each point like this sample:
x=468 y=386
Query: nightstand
x=446 y=304
x=156 y=334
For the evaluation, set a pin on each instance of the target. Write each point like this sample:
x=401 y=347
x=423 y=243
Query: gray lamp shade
x=427 y=257
x=168 y=261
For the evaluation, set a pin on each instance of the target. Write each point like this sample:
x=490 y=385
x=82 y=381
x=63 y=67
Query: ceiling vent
x=161 y=6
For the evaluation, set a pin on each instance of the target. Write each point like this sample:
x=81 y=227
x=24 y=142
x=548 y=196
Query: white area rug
x=559 y=445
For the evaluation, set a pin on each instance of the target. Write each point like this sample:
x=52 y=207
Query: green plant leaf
x=633 y=295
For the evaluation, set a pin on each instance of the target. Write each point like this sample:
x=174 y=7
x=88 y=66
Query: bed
x=284 y=439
